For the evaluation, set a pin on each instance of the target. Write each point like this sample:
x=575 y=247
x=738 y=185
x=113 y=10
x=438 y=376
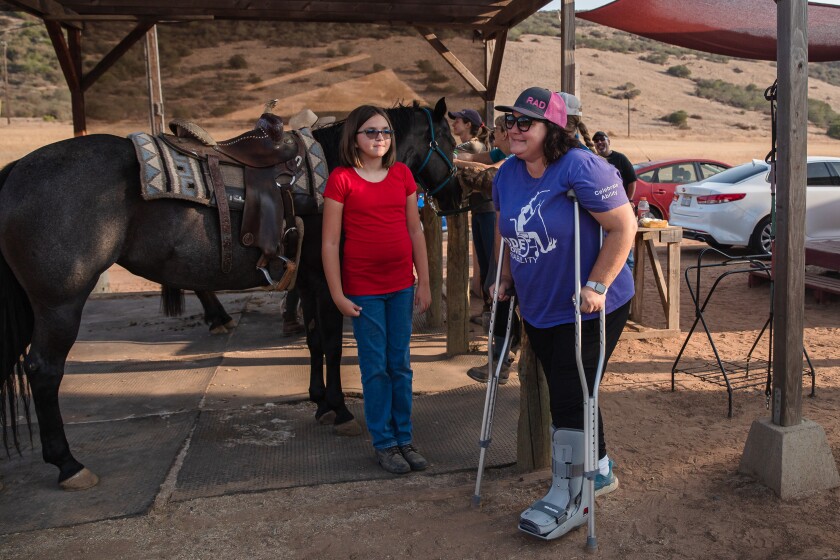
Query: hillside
x=333 y=68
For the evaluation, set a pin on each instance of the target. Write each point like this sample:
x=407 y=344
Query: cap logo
x=536 y=102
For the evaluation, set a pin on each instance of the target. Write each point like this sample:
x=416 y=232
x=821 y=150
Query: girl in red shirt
x=371 y=202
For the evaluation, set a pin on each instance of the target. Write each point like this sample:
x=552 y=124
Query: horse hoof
x=350 y=428
x=230 y=325
x=82 y=480
x=326 y=418
x=219 y=330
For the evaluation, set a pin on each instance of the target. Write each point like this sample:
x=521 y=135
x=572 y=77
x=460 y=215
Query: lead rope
x=770 y=94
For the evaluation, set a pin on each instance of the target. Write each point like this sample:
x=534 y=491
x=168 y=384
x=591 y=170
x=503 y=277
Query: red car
x=656 y=180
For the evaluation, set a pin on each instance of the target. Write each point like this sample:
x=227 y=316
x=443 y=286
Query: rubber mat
x=132 y=459
x=281 y=446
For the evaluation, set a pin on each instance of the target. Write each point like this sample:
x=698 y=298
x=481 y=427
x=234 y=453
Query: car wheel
x=760 y=239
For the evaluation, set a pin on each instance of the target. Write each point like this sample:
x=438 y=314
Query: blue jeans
x=483 y=231
x=383 y=335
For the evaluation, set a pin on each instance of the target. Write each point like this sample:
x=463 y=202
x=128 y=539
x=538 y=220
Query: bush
x=820 y=113
x=750 y=97
x=680 y=71
x=834 y=131
x=237 y=62
x=655 y=58
x=425 y=66
x=677 y=118
x=378 y=67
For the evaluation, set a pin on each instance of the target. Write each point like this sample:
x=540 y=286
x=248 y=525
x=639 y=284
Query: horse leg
x=53 y=335
x=331 y=323
x=214 y=313
x=317 y=390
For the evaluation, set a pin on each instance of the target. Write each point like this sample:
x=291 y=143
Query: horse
x=70 y=210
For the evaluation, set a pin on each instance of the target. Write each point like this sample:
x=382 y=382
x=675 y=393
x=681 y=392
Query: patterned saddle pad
x=167 y=173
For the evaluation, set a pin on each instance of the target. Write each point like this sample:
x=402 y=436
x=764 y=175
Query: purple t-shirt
x=537 y=220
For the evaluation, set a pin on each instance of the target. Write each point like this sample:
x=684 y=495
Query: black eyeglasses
x=373 y=133
x=523 y=123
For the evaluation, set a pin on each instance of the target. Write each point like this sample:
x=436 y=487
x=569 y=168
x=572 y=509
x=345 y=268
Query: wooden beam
x=77 y=94
x=62 y=51
x=496 y=50
x=567 y=47
x=116 y=53
x=453 y=61
x=791 y=177
x=457 y=282
x=156 y=115
x=43 y=9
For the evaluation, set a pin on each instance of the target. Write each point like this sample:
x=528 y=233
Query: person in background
x=370 y=207
x=291 y=323
x=469 y=129
x=472 y=136
x=617 y=160
x=484 y=231
x=535 y=218
x=574 y=124
x=625 y=169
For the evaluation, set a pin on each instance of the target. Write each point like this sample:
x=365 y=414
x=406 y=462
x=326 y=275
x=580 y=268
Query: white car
x=733 y=207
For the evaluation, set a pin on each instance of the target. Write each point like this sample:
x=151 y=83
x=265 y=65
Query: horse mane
x=329 y=136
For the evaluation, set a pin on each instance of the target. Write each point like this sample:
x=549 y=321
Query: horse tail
x=172 y=301
x=16 y=324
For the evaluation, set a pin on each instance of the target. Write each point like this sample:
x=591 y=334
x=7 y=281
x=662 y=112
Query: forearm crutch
x=492 y=376
x=590 y=401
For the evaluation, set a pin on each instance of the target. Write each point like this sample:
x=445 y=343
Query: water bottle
x=643 y=211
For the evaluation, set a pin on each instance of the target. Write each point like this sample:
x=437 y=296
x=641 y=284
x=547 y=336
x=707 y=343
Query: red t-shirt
x=378 y=256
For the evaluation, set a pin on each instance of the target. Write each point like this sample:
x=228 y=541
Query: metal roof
x=487 y=16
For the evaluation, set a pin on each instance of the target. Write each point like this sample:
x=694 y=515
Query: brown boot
x=293 y=327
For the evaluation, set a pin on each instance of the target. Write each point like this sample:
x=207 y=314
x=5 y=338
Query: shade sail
x=742 y=28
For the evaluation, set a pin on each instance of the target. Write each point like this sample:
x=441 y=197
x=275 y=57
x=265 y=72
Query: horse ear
x=440 y=109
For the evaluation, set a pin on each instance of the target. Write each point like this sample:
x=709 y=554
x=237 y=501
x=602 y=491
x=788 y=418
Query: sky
x=592 y=4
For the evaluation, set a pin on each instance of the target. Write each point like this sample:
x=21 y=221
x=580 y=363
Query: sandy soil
x=677 y=453
x=677 y=457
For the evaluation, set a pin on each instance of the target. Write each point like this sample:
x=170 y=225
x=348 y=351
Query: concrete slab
x=134 y=457
x=793 y=461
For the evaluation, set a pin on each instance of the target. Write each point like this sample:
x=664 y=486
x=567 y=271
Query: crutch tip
x=476 y=501
x=591 y=544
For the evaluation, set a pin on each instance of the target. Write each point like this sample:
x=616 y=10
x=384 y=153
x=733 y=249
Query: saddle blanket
x=167 y=173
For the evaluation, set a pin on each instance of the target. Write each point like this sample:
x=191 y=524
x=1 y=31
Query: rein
x=434 y=148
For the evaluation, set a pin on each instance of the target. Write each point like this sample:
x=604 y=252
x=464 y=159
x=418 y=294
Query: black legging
x=555 y=349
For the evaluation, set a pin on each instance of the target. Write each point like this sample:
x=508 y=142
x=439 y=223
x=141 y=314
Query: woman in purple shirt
x=535 y=217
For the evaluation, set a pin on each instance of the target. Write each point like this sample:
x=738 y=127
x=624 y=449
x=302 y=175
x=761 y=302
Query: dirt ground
x=677 y=455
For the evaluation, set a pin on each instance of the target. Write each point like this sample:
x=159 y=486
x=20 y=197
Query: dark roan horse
x=70 y=210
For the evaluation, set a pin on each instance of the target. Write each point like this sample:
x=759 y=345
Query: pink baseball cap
x=539 y=103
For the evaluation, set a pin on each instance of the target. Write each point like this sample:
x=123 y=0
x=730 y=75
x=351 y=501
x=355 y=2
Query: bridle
x=434 y=148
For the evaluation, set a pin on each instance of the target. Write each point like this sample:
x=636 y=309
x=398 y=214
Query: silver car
x=733 y=207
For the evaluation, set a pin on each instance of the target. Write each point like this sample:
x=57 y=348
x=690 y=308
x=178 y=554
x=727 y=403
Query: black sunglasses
x=523 y=123
x=372 y=133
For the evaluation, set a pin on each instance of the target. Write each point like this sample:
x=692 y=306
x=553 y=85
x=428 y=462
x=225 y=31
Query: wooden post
x=457 y=281
x=434 y=248
x=567 y=48
x=533 y=441
x=791 y=176
x=6 y=84
x=156 y=117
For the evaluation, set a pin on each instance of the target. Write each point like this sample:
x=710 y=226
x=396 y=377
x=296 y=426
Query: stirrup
x=283 y=284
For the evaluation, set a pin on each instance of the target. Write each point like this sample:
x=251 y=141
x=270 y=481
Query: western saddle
x=271 y=161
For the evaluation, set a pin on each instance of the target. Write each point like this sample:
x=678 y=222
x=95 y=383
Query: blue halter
x=434 y=148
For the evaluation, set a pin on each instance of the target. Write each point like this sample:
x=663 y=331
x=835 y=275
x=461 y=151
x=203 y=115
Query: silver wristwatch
x=597 y=286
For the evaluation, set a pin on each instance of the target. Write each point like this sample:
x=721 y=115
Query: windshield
x=739 y=173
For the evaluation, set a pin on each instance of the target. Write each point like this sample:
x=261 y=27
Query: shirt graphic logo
x=532 y=237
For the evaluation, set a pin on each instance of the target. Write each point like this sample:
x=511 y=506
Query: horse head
x=426 y=145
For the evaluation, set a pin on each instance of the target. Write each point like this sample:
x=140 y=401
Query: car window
x=680 y=174
x=740 y=173
x=835 y=166
x=649 y=176
x=709 y=169
x=819 y=175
